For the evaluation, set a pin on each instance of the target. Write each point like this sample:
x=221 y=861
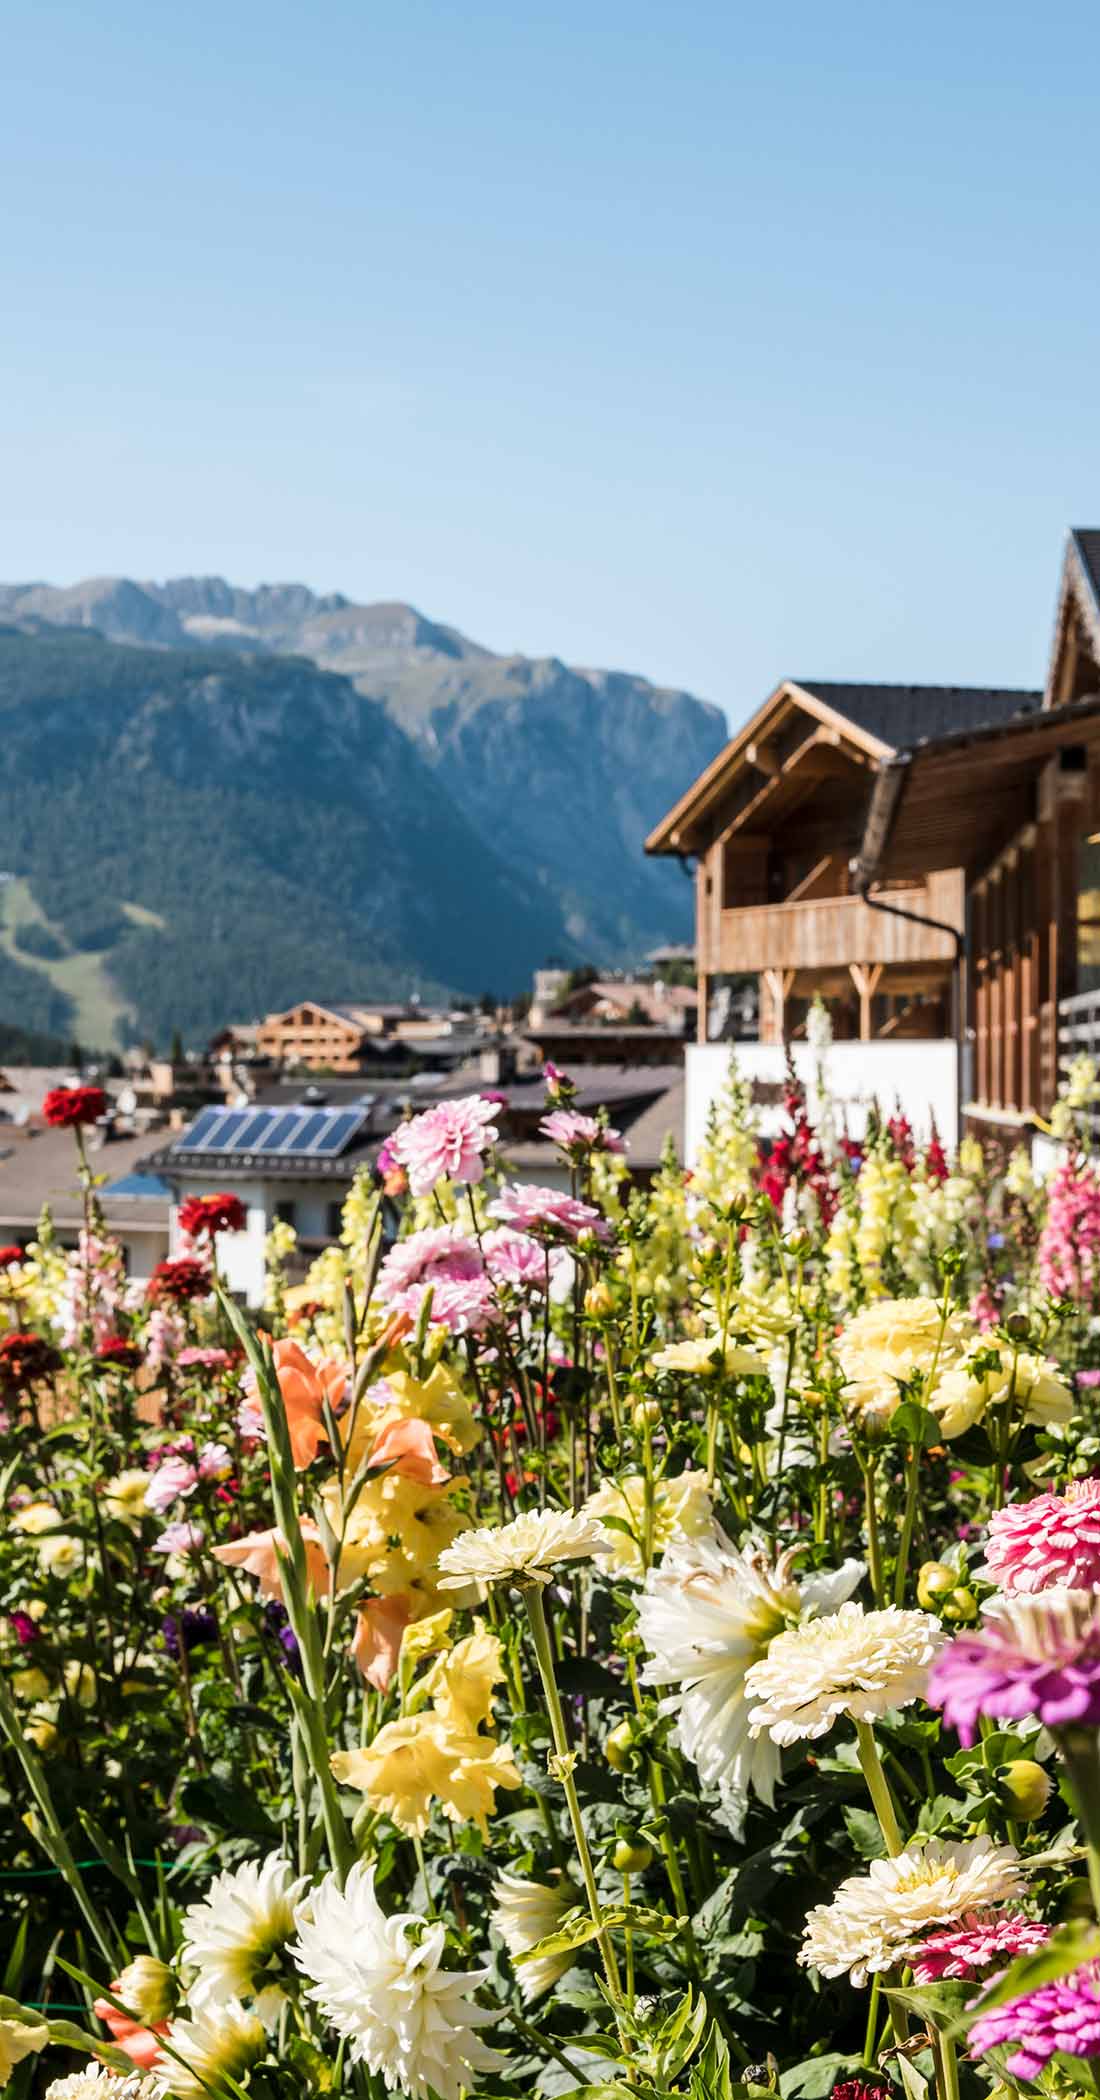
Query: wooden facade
x=927 y=860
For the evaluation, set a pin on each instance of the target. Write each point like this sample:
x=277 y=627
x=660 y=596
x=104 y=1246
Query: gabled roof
x=1077 y=621
x=868 y=723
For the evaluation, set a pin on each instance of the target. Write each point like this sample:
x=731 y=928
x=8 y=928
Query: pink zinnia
x=441 y=1251
x=973 y=1945
x=446 y=1143
x=577 y=1134
x=1034 y=1656
x=1058 y=2016
x=534 y=1209
x=1054 y=1540
x=466 y=1307
x=180 y=1538
x=173 y=1481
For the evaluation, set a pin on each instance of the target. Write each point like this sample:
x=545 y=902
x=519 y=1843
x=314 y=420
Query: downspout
x=885 y=802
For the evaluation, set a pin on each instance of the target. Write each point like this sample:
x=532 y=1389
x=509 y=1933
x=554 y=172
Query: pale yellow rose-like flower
x=893 y=1340
x=705 y=1356
x=1039 y=1395
x=124 y=1497
x=425 y=1758
x=40 y=1728
x=35 y=1518
x=80 y=1682
x=682 y=1509
x=59 y=1554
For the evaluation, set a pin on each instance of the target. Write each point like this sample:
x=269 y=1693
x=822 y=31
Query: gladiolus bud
x=647 y=1414
x=147 y=1989
x=1024 y=1789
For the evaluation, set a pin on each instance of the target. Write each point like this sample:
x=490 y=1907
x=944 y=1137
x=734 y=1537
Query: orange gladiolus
x=377 y=1644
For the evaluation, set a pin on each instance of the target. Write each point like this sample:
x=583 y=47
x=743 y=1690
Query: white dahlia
x=97 y=2083
x=525 y=1912
x=874 y=1918
x=526 y=1550
x=235 y=1940
x=221 y=2042
x=380 y=1982
x=859 y=1663
x=709 y=1613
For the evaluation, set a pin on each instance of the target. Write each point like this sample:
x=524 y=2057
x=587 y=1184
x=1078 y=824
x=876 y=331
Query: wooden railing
x=830 y=933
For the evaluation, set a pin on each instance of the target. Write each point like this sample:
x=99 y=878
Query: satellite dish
x=126 y=1101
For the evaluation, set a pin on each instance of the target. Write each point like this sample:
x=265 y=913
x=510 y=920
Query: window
x=335 y=1220
x=286 y=1212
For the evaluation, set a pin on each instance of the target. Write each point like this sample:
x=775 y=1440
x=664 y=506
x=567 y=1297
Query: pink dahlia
x=446 y=1143
x=466 y=1307
x=578 y=1135
x=974 y=1944
x=1053 y=1540
x=1034 y=1655
x=1058 y=2016
x=538 y=1210
x=441 y=1251
x=515 y=1259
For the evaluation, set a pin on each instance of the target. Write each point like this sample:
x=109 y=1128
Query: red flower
x=177 y=1282
x=10 y=1255
x=25 y=1357
x=70 y=1107
x=212 y=1214
x=115 y=1349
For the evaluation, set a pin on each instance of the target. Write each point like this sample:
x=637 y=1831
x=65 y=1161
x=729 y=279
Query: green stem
x=878 y=1786
x=1080 y=1748
x=536 y=1612
x=874 y=1549
x=912 y=1492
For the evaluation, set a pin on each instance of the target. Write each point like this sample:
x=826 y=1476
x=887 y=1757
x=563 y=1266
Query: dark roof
x=901 y=715
x=1087 y=542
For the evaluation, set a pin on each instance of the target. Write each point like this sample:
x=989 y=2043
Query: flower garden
x=598 y=1640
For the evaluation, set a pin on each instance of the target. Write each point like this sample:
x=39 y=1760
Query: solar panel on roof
x=296 y=1132
x=280 y=1131
x=197 y=1138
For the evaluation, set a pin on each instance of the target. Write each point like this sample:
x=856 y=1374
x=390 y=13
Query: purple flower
x=277 y=1624
x=1058 y=2016
x=1035 y=1655
x=195 y=1625
x=24 y=1628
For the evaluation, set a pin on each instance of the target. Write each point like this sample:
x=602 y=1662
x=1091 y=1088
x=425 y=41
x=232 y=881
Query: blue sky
x=710 y=341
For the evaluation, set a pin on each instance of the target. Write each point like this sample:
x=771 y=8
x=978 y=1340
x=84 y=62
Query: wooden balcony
x=830 y=933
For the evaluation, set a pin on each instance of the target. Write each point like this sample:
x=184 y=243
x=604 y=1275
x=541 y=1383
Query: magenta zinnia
x=1062 y=2016
x=1033 y=1656
x=1054 y=1540
x=973 y=1945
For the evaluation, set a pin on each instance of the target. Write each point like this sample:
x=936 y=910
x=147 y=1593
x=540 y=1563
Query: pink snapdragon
x=1049 y=1542
x=972 y=1946
x=1069 y=1246
x=540 y=1210
x=1059 y=2017
x=446 y=1143
x=442 y=1251
x=579 y=1135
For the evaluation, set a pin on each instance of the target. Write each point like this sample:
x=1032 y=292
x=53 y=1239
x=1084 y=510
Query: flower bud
x=960 y=1607
x=619 y=1745
x=1024 y=1789
x=935 y=1582
x=599 y=1301
x=646 y=1414
x=147 y=1989
x=631 y=1856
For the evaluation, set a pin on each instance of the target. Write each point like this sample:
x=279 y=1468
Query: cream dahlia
x=682 y=1509
x=709 y=1613
x=859 y=1663
x=525 y=1912
x=380 y=1982
x=235 y=1940
x=218 y=2044
x=526 y=1550
x=876 y=1918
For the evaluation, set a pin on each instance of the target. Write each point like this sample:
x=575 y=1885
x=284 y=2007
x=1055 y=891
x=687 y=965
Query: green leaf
x=1071 y=1946
x=69 y=2036
x=816 y=2077
x=915 y=1427
x=863 y=1828
x=224 y=1807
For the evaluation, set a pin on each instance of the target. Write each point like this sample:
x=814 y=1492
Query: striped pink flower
x=1054 y=1540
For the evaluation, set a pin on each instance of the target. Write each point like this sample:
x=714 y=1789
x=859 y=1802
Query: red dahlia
x=70 y=1107
x=177 y=1282
x=212 y=1214
x=10 y=1255
x=25 y=1357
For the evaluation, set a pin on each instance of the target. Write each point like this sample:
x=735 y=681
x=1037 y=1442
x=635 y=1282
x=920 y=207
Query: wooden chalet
x=925 y=858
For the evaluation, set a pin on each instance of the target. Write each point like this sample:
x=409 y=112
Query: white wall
x=923 y=1076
